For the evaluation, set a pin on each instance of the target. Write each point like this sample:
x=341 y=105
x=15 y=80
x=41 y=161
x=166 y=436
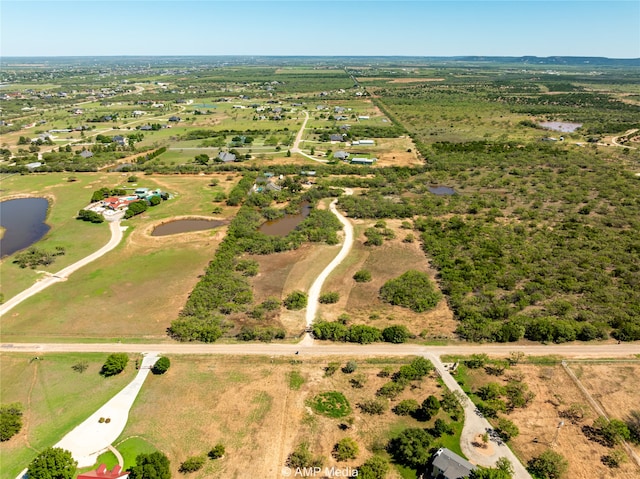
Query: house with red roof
x=103 y=473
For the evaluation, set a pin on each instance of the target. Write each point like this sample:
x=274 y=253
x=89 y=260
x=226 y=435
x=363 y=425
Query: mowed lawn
x=55 y=399
x=65 y=200
x=135 y=290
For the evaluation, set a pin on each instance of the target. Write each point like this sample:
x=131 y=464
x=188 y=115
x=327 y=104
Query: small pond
x=442 y=190
x=23 y=221
x=285 y=225
x=185 y=226
x=563 y=126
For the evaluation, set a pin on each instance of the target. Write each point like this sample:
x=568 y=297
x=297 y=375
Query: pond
x=563 y=126
x=23 y=221
x=285 y=225
x=185 y=226
x=441 y=190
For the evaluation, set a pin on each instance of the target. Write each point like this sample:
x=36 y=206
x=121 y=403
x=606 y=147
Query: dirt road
x=63 y=274
x=296 y=144
x=316 y=287
x=318 y=349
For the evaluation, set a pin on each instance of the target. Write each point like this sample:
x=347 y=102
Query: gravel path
x=316 y=287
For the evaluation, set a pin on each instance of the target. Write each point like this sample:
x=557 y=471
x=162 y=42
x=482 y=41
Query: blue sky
x=306 y=27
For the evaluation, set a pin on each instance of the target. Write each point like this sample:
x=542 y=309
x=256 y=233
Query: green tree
x=430 y=407
x=548 y=465
x=345 y=449
x=161 y=366
x=151 y=466
x=154 y=200
x=611 y=432
x=507 y=429
x=114 y=364
x=202 y=159
x=350 y=367
x=411 y=447
x=10 y=420
x=53 y=463
x=296 y=300
x=329 y=298
x=376 y=467
x=413 y=290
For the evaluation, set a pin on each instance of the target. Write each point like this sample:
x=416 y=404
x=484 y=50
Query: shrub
x=296 y=300
x=92 y=216
x=362 y=276
x=350 y=367
x=80 y=366
x=396 y=334
x=345 y=449
x=10 y=420
x=216 y=452
x=406 y=407
x=114 y=364
x=329 y=298
x=391 y=390
x=192 y=464
x=373 y=406
x=413 y=290
x=376 y=467
x=301 y=457
x=548 y=465
x=331 y=368
x=507 y=429
x=161 y=366
x=364 y=334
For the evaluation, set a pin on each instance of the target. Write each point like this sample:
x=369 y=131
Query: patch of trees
x=91 y=216
x=331 y=297
x=296 y=300
x=154 y=465
x=358 y=333
x=136 y=208
x=413 y=290
x=362 y=276
x=261 y=333
x=34 y=257
x=105 y=192
x=10 y=420
x=114 y=364
x=53 y=463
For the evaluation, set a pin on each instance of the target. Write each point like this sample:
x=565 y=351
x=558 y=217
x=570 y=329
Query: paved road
x=63 y=274
x=475 y=425
x=91 y=438
x=316 y=287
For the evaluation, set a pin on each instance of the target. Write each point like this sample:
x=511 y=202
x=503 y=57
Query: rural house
x=341 y=155
x=226 y=157
x=103 y=472
x=447 y=464
x=336 y=137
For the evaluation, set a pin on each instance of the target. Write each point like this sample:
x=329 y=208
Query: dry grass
x=246 y=403
x=360 y=300
x=538 y=423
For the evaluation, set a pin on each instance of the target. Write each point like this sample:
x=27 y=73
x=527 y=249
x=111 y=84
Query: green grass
x=263 y=403
x=49 y=391
x=332 y=404
x=296 y=380
x=131 y=447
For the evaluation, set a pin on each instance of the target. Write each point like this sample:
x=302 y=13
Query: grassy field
x=55 y=399
x=271 y=412
x=135 y=290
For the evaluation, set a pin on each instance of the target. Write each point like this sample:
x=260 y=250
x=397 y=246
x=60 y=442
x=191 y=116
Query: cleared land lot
x=554 y=393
